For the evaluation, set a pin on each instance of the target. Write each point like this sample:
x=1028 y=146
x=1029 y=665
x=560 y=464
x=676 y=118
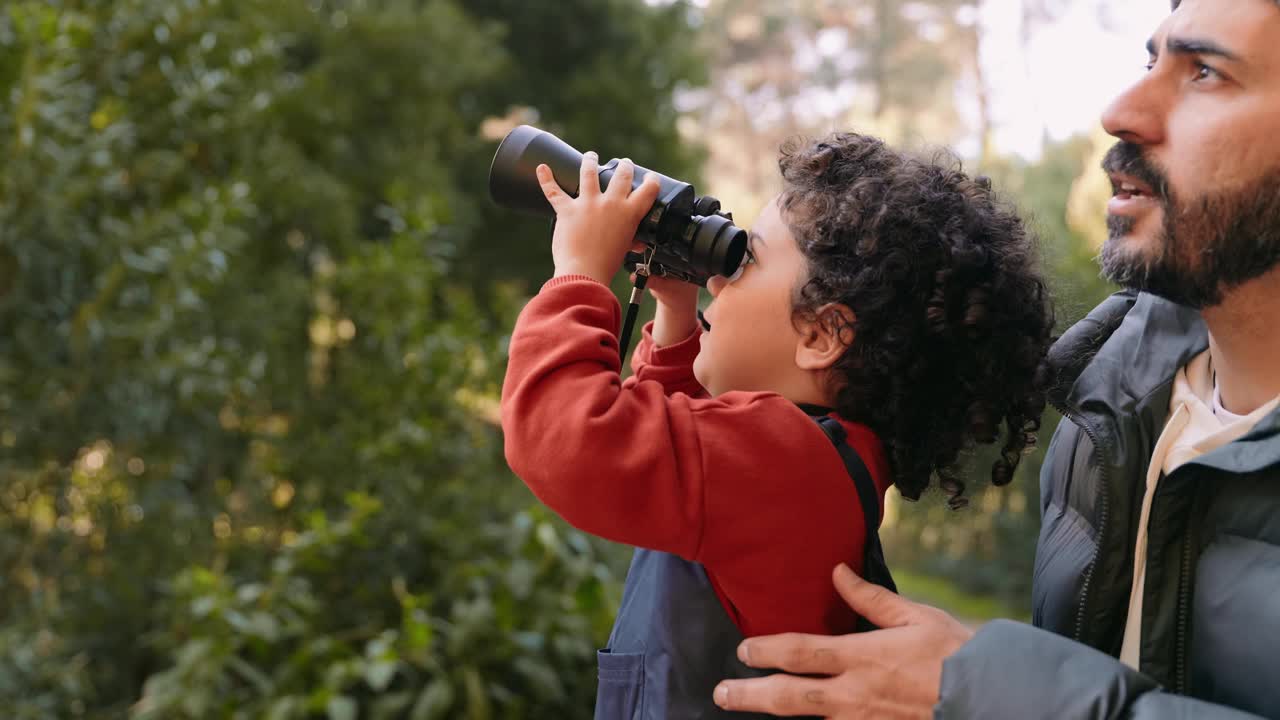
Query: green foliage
x=487 y=639
x=601 y=74
x=248 y=463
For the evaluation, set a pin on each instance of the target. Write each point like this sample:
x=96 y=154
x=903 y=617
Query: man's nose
x=1139 y=114
x=715 y=284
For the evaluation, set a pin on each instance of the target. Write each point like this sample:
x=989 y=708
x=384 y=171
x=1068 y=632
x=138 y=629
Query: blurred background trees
x=246 y=375
x=253 y=311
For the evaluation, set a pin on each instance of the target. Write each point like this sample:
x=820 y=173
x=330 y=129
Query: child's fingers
x=589 y=182
x=550 y=188
x=620 y=183
x=646 y=195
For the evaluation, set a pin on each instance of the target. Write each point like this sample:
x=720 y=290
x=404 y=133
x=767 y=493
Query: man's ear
x=825 y=336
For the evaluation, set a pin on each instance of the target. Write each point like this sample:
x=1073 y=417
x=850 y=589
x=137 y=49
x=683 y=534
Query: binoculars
x=688 y=236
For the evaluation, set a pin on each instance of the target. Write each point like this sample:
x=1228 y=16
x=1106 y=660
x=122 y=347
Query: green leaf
x=478 y=706
x=285 y=708
x=379 y=673
x=543 y=679
x=341 y=707
x=203 y=606
x=434 y=701
x=260 y=680
x=391 y=705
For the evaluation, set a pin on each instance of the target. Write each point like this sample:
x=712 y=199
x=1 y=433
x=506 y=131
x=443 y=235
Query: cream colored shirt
x=1197 y=424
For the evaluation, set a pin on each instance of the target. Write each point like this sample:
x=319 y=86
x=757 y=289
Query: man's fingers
x=782 y=695
x=794 y=652
x=879 y=605
x=589 y=179
x=550 y=188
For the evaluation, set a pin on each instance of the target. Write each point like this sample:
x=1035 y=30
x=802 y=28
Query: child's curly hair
x=952 y=316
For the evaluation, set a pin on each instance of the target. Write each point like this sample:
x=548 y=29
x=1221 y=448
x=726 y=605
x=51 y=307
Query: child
x=887 y=296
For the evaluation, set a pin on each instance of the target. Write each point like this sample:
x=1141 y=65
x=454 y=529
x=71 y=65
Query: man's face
x=1196 y=210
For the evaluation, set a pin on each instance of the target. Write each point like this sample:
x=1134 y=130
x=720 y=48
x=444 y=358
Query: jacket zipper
x=1103 y=511
x=1181 y=668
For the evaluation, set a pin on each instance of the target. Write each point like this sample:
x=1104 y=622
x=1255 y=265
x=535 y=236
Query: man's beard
x=1207 y=245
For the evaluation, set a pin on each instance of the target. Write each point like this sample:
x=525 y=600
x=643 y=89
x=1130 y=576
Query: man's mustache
x=1127 y=158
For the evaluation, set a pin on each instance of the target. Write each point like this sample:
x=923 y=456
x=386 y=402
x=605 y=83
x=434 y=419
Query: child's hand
x=595 y=230
x=673 y=294
x=677 y=314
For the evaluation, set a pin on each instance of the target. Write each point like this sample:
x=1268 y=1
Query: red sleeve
x=745 y=483
x=671 y=366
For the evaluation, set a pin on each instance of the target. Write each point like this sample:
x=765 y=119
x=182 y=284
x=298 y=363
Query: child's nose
x=715 y=284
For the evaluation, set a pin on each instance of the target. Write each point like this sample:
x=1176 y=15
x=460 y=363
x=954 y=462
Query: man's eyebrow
x=1193 y=46
x=754 y=236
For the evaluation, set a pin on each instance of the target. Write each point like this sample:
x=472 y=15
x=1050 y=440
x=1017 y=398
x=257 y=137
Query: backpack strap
x=874 y=568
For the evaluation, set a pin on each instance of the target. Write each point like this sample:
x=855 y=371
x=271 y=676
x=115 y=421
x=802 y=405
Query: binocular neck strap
x=628 y=325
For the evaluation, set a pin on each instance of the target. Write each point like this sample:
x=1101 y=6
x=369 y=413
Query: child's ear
x=825 y=336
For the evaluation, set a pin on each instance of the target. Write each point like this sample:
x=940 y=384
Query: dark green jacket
x=1211 y=613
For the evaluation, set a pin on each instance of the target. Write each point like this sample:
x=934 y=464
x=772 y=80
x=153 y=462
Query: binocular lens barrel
x=721 y=242
x=513 y=182
x=686 y=245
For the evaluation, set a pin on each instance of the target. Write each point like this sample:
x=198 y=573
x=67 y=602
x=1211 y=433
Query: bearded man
x=1157 y=579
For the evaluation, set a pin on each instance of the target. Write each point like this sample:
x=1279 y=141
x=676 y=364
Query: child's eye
x=749 y=259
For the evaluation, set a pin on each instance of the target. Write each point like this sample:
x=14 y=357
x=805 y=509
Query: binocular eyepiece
x=691 y=239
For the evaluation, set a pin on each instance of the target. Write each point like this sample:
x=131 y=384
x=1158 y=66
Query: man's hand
x=595 y=230
x=893 y=672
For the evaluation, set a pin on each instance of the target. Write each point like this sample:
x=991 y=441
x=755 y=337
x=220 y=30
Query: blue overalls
x=673 y=642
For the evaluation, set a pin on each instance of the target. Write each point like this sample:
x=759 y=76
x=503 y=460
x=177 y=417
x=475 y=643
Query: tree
x=247 y=459
x=782 y=69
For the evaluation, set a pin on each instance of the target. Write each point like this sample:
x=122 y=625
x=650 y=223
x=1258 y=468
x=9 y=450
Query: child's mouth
x=706 y=326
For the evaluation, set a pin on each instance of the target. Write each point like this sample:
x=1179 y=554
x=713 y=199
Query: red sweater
x=745 y=483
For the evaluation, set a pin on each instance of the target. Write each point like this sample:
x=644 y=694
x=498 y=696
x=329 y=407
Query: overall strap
x=874 y=568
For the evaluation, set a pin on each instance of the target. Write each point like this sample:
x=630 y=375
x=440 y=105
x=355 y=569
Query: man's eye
x=1204 y=72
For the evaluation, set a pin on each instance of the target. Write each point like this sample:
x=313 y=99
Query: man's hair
x=951 y=313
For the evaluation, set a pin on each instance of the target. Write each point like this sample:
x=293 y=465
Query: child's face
x=752 y=342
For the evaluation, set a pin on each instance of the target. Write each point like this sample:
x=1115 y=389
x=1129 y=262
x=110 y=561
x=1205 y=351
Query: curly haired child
x=891 y=298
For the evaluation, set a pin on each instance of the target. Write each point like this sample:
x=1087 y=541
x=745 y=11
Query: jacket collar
x=1258 y=450
x=1138 y=344
x=1121 y=372
x=1142 y=355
